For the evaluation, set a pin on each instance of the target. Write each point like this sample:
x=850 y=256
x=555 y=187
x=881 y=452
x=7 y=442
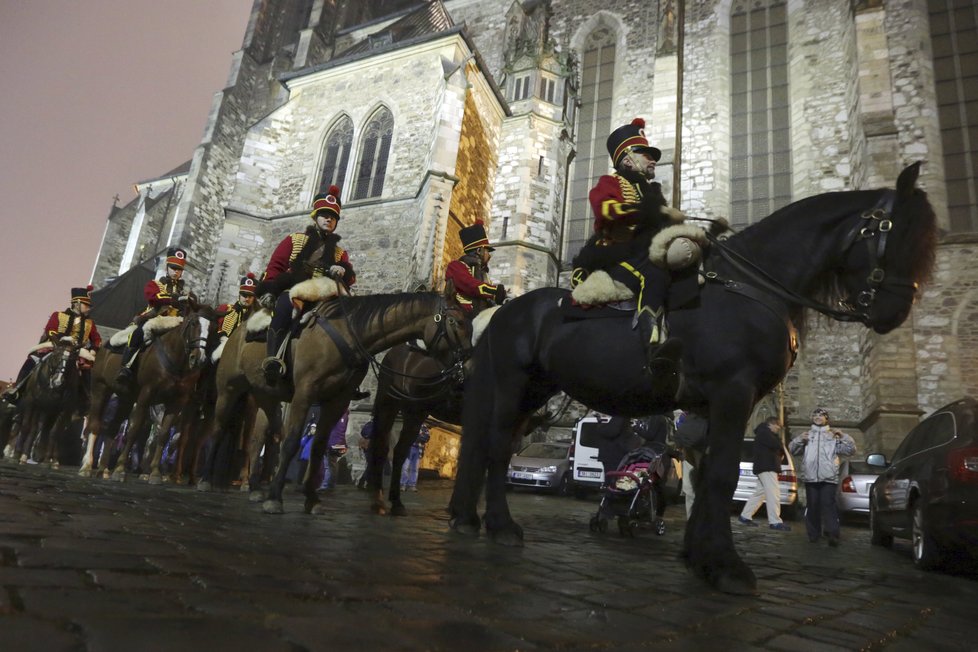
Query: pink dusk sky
x=96 y=95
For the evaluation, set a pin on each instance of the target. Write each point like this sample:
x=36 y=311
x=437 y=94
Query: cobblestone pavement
x=95 y=565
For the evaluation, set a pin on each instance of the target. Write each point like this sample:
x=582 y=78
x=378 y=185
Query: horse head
x=193 y=334
x=64 y=356
x=449 y=334
x=890 y=254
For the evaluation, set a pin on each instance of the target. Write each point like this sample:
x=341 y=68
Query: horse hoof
x=244 y=488
x=203 y=485
x=511 y=536
x=8 y=452
x=256 y=497
x=272 y=507
x=55 y=466
x=468 y=527
x=84 y=473
x=317 y=510
x=23 y=459
x=397 y=509
x=379 y=507
x=155 y=479
x=118 y=476
x=733 y=585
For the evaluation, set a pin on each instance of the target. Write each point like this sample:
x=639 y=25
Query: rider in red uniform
x=164 y=296
x=470 y=273
x=74 y=323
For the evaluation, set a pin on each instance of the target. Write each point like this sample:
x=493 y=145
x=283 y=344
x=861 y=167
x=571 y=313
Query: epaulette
x=338 y=254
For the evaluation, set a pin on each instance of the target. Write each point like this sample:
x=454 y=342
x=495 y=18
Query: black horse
x=414 y=384
x=865 y=250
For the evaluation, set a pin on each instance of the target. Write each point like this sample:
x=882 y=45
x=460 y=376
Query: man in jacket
x=820 y=448
x=767 y=465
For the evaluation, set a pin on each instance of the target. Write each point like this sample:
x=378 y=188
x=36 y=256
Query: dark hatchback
x=929 y=492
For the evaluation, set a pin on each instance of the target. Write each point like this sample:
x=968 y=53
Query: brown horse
x=168 y=373
x=332 y=354
x=49 y=400
x=241 y=390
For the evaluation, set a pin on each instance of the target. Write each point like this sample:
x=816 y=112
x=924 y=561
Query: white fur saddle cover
x=319 y=288
x=153 y=327
x=674 y=247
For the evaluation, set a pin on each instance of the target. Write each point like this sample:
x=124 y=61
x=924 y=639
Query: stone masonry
x=862 y=106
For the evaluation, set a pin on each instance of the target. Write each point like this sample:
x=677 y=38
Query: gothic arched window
x=952 y=28
x=760 y=148
x=593 y=127
x=375 y=148
x=336 y=154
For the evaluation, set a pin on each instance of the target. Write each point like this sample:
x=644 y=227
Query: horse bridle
x=190 y=345
x=873 y=228
x=441 y=331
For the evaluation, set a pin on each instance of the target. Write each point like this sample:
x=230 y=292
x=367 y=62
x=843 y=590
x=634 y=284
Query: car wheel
x=876 y=535
x=926 y=553
x=564 y=487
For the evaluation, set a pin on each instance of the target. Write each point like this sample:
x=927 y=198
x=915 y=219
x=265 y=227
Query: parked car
x=542 y=465
x=787 y=480
x=853 y=496
x=928 y=493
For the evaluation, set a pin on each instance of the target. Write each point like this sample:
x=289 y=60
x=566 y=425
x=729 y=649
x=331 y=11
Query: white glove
x=183 y=298
x=336 y=271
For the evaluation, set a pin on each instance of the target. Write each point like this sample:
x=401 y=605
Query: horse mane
x=363 y=310
x=911 y=255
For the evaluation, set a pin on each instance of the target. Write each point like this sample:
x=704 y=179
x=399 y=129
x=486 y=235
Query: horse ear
x=449 y=292
x=908 y=178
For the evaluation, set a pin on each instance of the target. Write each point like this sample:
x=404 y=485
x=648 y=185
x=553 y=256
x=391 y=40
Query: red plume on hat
x=248 y=284
x=630 y=138
x=327 y=202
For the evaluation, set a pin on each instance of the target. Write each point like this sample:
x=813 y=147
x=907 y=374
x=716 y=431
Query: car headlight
x=548 y=469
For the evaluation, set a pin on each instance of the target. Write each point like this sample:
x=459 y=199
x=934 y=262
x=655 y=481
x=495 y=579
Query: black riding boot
x=662 y=355
x=278 y=329
x=128 y=369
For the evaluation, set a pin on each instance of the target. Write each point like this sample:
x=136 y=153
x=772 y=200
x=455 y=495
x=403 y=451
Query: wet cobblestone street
x=96 y=565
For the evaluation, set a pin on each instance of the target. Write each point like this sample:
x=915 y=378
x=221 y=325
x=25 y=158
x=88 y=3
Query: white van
x=587 y=469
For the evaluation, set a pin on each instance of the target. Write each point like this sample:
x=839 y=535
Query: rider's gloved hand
x=267 y=301
x=183 y=298
x=500 y=294
x=336 y=271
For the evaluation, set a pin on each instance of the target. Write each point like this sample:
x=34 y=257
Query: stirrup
x=273 y=367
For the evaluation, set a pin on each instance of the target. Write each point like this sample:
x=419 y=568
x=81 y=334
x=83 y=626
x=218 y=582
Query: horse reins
x=874 y=223
x=452 y=371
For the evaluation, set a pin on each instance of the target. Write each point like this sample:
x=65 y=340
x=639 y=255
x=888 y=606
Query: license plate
x=589 y=474
x=746 y=472
x=519 y=475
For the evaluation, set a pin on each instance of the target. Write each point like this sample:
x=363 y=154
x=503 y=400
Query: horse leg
x=472 y=462
x=409 y=432
x=708 y=546
x=223 y=415
x=296 y=421
x=136 y=423
x=162 y=439
x=385 y=411
x=267 y=422
x=329 y=414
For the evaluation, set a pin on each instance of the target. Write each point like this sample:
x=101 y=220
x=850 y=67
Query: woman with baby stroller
x=633 y=493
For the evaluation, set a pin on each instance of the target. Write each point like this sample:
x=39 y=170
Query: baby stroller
x=631 y=494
